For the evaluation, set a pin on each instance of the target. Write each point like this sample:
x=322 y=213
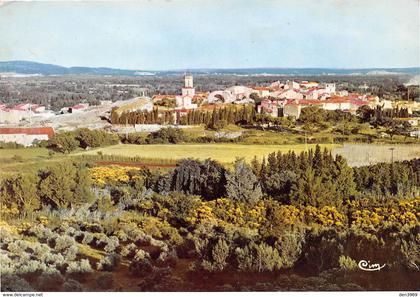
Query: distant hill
x=28 y=67
x=31 y=68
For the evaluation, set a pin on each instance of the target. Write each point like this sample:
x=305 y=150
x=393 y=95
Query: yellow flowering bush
x=43 y=220
x=22 y=227
x=224 y=211
x=8 y=212
x=103 y=175
x=325 y=216
x=287 y=215
x=5 y=227
x=203 y=213
x=406 y=212
x=256 y=216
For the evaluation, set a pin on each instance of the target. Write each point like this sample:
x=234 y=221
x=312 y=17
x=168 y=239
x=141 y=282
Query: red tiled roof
x=30 y=131
x=337 y=100
x=308 y=101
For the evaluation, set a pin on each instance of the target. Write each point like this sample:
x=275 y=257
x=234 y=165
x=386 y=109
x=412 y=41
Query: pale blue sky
x=180 y=34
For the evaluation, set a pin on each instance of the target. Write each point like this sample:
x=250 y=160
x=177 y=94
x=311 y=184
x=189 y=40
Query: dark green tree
x=242 y=184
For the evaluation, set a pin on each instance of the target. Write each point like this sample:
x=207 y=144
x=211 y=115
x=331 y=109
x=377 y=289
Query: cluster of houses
x=20 y=112
x=290 y=98
x=16 y=122
x=277 y=99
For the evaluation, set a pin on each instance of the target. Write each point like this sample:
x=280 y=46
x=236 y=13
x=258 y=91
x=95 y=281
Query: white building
x=288 y=94
x=342 y=93
x=330 y=88
x=14 y=116
x=188 y=89
x=309 y=84
x=290 y=85
x=262 y=91
x=292 y=110
x=25 y=136
x=188 y=92
x=235 y=94
x=312 y=94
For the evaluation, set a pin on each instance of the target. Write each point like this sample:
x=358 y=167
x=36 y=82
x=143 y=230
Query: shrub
x=71 y=253
x=79 y=267
x=72 y=286
x=218 y=257
x=41 y=250
x=105 y=281
x=141 y=269
x=112 y=244
x=168 y=257
x=42 y=232
x=128 y=250
x=17 y=247
x=13 y=283
x=31 y=267
x=322 y=249
x=258 y=257
x=289 y=245
x=347 y=263
x=108 y=263
x=141 y=266
x=7 y=264
x=62 y=243
x=54 y=259
x=167 y=135
x=63 y=142
x=87 y=237
x=49 y=281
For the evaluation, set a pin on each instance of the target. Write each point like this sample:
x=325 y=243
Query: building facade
x=25 y=136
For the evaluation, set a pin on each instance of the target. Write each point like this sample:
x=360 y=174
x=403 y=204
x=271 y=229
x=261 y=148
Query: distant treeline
x=229 y=115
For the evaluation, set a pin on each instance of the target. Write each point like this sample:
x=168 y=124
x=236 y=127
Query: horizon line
x=216 y=68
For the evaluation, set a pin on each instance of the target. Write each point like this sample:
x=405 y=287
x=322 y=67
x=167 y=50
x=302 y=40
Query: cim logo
x=366 y=266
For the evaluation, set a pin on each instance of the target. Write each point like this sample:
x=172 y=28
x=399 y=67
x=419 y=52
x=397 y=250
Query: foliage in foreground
x=250 y=230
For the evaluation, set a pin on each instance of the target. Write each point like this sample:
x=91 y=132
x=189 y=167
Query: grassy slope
x=24 y=159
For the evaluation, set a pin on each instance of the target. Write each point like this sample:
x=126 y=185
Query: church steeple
x=188 y=80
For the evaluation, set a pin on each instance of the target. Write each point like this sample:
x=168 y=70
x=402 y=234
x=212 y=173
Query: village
x=27 y=123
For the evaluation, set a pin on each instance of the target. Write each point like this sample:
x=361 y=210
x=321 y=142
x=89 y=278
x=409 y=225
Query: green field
x=28 y=153
x=25 y=159
x=224 y=153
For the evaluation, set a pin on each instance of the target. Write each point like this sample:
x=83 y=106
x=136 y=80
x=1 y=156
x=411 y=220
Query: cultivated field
x=367 y=154
x=27 y=159
x=225 y=153
x=36 y=152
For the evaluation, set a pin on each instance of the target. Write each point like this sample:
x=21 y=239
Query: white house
x=235 y=94
x=25 y=136
x=262 y=91
x=330 y=88
x=184 y=102
x=290 y=85
x=188 y=91
x=288 y=94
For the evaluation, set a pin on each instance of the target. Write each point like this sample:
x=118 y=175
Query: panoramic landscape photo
x=209 y=146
